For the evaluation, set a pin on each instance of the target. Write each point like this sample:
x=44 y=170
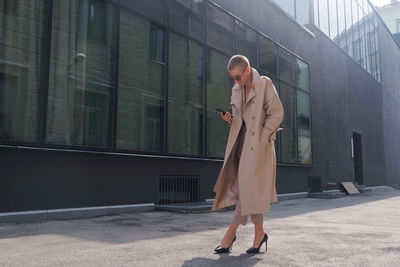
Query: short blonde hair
x=238 y=60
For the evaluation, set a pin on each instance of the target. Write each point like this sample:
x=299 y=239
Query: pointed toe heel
x=220 y=249
x=253 y=250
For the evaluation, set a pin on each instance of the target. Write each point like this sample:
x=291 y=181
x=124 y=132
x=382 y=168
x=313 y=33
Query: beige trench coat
x=263 y=113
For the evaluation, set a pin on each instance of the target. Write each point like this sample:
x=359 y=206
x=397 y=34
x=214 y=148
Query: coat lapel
x=255 y=83
x=250 y=96
x=236 y=99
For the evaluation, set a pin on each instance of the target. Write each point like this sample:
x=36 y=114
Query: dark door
x=357 y=156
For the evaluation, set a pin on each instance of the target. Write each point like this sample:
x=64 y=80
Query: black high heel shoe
x=220 y=249
x=257 y=250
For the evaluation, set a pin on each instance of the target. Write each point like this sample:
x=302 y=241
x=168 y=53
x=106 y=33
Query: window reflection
x=286 y=5
x=323 y=16
x=186 y=16
x=268 y=55
x=81 y=73
x=218 y=96
x=349 y=28
x=141 y=84
x=302 y=75
x=341 y=37
x=185 y=96
x=333 y=20
x=289 y=134
x=298 y=9
x=154 y=9
x=302 y=11
x=349 y=25
x=219 y=29
x=286 y=66
x=304 y=128
x=246 y=42
x=21 y=66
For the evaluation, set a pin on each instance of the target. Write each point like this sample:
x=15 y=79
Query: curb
x=89 y=212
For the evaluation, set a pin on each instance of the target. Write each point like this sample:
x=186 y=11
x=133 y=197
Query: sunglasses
x=237 y=77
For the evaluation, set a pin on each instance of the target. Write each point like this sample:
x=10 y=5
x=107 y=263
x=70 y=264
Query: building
x=390 y=14
x=112 y=102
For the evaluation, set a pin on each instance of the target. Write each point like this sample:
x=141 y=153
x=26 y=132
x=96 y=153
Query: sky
x=380 y=3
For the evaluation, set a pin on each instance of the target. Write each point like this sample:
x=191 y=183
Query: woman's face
x=239 y=75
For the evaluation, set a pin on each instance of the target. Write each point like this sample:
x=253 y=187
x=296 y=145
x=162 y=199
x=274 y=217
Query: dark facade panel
x=37 y=180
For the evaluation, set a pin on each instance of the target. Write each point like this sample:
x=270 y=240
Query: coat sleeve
x=273 y=111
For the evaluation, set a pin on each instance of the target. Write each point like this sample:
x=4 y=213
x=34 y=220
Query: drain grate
x=178 y=189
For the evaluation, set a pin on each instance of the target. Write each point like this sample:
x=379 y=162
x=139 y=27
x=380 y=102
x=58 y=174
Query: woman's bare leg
x=229 y=235
x=258 y=234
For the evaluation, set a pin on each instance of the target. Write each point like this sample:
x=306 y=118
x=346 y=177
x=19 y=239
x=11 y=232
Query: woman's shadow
x=243 y=259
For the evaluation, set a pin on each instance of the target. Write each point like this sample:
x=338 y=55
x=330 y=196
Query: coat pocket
x=270 y=135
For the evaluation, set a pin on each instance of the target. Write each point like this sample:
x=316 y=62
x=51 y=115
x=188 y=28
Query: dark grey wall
x=390 y=61
x=35 y=180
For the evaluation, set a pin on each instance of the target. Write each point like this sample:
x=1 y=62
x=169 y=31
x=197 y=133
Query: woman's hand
x=227 y=117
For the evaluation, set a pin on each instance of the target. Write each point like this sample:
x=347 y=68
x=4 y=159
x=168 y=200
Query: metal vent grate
x=178 y=189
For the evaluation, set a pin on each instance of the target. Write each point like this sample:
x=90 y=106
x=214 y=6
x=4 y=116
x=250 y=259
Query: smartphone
x=221 y=110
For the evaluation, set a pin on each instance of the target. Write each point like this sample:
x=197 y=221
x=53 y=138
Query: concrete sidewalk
x=357 y=230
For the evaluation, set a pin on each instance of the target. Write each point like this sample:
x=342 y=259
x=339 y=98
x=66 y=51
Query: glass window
x=277 y=141
x=275 y=81
x=186 y=16
x=157 y=47
x=302 y=75
x=9 y=6
x=286 y=66
x=356 y=32
x=268 y=55
x=370 y=41
x=185 y=96
x=378 y=68
x=372 y=53
x=365 y=6
x=141 y=86
x=366 y=30
x=96 y=20
x=304 y=128
x=378 y=62
x=366 y=43
x=341 y=25
x=356 y=51
x=22 y=42
x=361 y=24
x=218 y=96
x=289 y=134
x=333 y=21
x=398 y=25
x=323 y=16
x=219 y=29
x=287 y=5
x=302 y=11
x=81 y=81
x=246 y=42
x=316 y=13
x=349 y=28
x=154 y=9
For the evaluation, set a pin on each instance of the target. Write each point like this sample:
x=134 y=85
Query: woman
x=248 y=174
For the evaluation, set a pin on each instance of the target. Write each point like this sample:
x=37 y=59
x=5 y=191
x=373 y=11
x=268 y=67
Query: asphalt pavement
x=356 y=230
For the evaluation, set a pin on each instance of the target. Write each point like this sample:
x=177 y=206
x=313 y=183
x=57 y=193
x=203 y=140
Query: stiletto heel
x=257 y=250
x=220 y=249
